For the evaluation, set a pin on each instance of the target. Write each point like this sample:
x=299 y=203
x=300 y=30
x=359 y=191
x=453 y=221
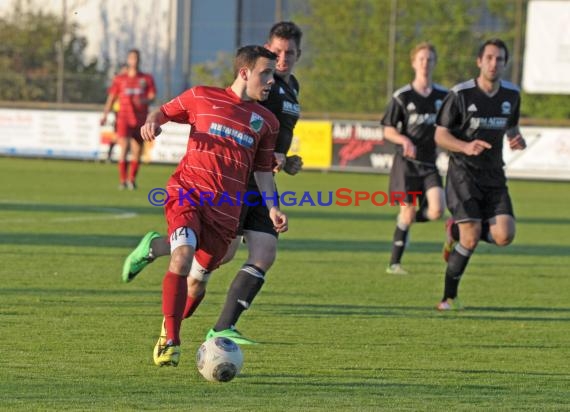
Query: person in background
x=115 y=109
x=473 y=120
x=409 y=122
x=134 y=90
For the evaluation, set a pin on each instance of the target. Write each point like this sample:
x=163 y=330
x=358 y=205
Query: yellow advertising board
x=312 y=140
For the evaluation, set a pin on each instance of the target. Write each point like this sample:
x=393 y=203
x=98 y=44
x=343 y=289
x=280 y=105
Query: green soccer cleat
x=139 y=258
x=396 y=269
x=449 y=304
x=232 y=334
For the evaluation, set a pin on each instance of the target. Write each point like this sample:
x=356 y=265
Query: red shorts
x=213 y=240
x=126 y=128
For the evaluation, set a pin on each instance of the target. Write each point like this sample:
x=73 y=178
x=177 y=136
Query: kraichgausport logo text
x=340 y=197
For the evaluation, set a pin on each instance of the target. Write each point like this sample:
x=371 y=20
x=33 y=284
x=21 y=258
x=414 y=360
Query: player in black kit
x=409 y=122
x=255 y=225
x=471 y=125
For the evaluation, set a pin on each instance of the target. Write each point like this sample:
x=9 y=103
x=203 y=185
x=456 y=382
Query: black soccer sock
x=243 y=290
x=399 y=244
x=456 y=265
x=159 y=247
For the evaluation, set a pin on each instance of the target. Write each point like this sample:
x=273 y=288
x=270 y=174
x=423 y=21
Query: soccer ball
x=219 y=359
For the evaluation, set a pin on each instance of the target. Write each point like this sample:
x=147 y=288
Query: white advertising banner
x=78 y=135
x=50 y=133
x=547 y=51
x=170 y=146
x=547 y=155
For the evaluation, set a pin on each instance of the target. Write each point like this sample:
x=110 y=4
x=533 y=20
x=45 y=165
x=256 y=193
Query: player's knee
x=469 y=243
x=268 y=262
x=406 y=220
x=264 y=263
x=434 y=213
x=407 y=216
x=182 y=246
x=504 y=239
x=180 y=262
x=263 y=259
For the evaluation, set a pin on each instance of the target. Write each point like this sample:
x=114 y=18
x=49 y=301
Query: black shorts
x=255 y=217
x=407 y=176
x=469 y=198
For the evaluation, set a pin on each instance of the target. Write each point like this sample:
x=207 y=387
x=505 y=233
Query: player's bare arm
x=279 y=219
x=279 y=160
x=151 y=129
x=516 y=141
x=266 y=185
x=446 y=140
x=391 y=134
x=107 y=108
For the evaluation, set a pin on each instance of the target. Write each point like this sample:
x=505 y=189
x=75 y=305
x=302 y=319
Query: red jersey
x=229 y=139
x=130 y=91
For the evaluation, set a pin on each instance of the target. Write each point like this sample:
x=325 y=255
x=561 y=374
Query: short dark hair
x=286 y=30
x=497 y=43
x=135 y=51
x=247 y=56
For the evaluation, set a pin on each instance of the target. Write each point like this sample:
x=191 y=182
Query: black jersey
x=469 y=113
x=283 y=103
x=414 y=116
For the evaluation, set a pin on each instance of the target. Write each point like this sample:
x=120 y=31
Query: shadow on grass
x=371 y=383
x=71 y=292
x=49 y=294
x=301 y=245
x=67 y=208
x=386 y=214
x=69 y=239
x=465 y=371
x=543 y=221
x=417 y=247
x=471 y=313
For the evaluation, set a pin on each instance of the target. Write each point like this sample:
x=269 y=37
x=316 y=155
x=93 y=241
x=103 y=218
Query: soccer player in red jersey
x=232 y=135
x=134 y=90
x=255 y=226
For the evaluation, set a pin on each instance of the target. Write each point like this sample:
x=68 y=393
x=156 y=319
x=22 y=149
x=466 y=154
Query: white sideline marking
x=113 y=213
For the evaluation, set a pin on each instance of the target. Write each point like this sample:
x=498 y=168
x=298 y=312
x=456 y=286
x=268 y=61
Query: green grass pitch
x=338 y=333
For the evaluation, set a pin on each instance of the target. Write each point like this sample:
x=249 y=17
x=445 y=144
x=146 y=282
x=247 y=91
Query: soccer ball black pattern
x=219 y=359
